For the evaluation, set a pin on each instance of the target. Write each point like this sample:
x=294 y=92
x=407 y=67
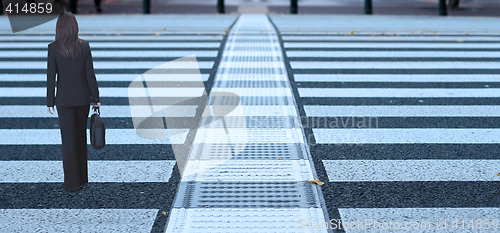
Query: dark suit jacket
x=76 y=82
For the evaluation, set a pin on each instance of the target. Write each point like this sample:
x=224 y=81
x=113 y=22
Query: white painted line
x=346 y=32
x=108 y=92
x=262 y=220
x=419 y=220
x=40 y=111
x=77 y=220
x=250 y=170
x=392 y=38
x=391 y=54
x=248 y=135
x=402 y=111
x=42 y=45
x=107 y=65
x=113 y=136
x=406 y=136
x=110 y=77
x=411 y=170
x=394 y=65
x=99 y=171
x=437 y=45
x=254 y=91
x=396 y=78
x=133 y=31
x=401 y=92
x=136 y=38
x=116 y=54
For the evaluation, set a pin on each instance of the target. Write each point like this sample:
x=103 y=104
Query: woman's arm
x=51 y=78
x=91 y=80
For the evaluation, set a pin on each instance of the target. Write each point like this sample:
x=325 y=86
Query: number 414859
x=31 y=8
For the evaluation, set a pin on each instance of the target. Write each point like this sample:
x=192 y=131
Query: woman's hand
x=51 y=112
x=98 y=104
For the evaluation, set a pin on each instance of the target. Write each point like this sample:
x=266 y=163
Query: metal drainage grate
x=215 y=151
x=248 y=136
x=247 y=220
x=269 y=122
x=251 y=58
x=250 y=100
x=252 y=84
x=249 y=70
x=247 y=195
x=247 y=170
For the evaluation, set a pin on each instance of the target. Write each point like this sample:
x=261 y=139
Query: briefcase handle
x=96 y=109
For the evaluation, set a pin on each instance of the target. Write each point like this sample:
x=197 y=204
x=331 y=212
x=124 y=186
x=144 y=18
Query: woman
x=70 y=58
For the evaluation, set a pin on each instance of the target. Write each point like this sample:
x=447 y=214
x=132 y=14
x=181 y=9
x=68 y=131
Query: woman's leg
x=82 y=114
x=67 y=122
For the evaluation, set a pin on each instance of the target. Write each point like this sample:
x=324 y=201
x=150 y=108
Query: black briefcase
x=97 y=129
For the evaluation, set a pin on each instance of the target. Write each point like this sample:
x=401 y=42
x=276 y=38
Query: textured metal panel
x=238 y=135
x=250 y=100
x=249 y=70
x=270 y=122
x=253 y=77
x=249 y=110
x=251 y=58
x=243 y=220
x=242 y=194
x=248 y=170
x=256 y=91
x=251 y=84
x=253 y=157
x=248 y=151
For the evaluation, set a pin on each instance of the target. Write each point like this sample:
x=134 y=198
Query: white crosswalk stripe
x=106 y=77
x=411 y=170
x=122 y=45
x=403 y=111
x=420 y=219
x=159 y=54
x=437 y=45
x=99 y=65
x=107 y=92
x=401 y=92
x=396 y=78
x=80 y=220
x=99 y=171
x=391 y=54
x=113 y=136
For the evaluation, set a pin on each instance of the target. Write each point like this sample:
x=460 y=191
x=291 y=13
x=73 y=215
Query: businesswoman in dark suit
x=70 y=58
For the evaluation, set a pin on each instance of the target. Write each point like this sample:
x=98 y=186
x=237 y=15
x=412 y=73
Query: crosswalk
x=133 y=180
x=404 y=125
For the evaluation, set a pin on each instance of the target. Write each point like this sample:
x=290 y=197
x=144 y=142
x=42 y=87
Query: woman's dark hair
x=67 y=35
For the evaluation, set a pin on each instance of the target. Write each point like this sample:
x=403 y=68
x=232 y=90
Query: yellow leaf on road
x=163 y=213
x=317 y=182
x=498 y=174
